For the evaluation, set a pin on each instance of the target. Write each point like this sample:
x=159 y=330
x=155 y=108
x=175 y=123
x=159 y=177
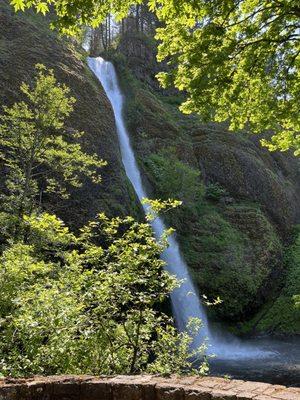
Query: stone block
x=196 y=393
x=260 y=387
x=149 y=392
x=218 y=394
x=36 y=391
x=230 y=384
x=66 y=390
x=9 y=392
x=273 y=389
x=211 y=382
x=249 y=387
x=124 y=392
x=95 y=390
x=287 y=394
x=185 y=380
x=169 y=391
x=245 y=395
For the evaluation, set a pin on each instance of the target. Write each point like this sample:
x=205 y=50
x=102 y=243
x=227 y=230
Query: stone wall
x=143 y=387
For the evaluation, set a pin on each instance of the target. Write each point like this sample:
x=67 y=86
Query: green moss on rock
x=233 y=257
x=230 y=240
x=26 y=40
x=280 y=315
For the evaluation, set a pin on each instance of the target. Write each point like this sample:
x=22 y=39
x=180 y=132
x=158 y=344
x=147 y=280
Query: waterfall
x=185 y=299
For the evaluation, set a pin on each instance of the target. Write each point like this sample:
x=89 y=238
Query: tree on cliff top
x=237 y=60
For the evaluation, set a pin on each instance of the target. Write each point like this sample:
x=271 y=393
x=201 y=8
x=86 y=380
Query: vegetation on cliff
x=37 y=153
x=26 y=40
x=281 y=315
x=231 y=223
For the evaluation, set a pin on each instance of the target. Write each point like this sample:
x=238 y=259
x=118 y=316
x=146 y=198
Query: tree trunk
x=137 y=17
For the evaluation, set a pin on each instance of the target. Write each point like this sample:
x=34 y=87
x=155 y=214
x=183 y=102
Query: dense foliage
x=237 y=60
x=71 y=305
x=77 y=303
x=174 y=178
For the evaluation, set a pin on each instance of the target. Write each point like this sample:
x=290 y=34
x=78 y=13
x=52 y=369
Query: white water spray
x=185 y=300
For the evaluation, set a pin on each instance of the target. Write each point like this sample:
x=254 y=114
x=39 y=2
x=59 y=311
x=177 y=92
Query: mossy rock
x=233 y=252
x=281 y=315
x=27 y=40
x=249 y=172
x=232 y=242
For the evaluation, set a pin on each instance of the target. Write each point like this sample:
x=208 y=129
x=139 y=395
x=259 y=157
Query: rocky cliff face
x=25 y=40
x=233 y=236
x=235 y=161
x=251 y=172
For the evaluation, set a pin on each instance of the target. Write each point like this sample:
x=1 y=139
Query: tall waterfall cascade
x=185 y=299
